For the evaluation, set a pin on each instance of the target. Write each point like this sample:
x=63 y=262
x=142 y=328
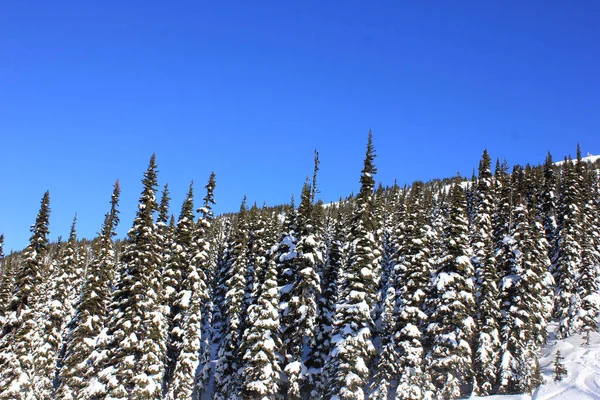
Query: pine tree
x=261 y=360
x=588 y=281
x=559 y=368
x=176 y=270
x=401 y=364
x=137 y=329
x=568 y=253
x=227 y=378
x=326 y=304
x=20 y=333
x=487 y=338
x=57 y=313
x=192 y=300
x=354 y=326
x=206 y=246
x=521 y=311
x=451 y=326
x=301 y=311
x=91 y=313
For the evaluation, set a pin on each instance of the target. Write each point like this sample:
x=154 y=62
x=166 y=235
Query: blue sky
x=248 y=89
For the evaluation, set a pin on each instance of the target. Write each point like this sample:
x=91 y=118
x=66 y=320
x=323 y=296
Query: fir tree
x=227 y=378
x=401 y=364
x=57 y=313
x=519 y=372
x=559 y=368
x=326 y=305
x=261 y=360
x=568 y=253
x=176 y=293
x=354 y=326
x=91 y=313
x=301 y=310
x=451 y=326
x=487 y=338
x=588 y=281
x=136 y=349
x=20 y=332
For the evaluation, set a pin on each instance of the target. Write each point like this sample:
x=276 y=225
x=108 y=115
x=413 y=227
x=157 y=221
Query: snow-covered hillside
x=583 y=365
x=589 y=158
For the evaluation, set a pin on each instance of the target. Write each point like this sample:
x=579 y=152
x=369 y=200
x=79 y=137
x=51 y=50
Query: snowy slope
x=589 y=158
x=582 y=363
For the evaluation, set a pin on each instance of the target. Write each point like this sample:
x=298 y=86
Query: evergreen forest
x=437 y=290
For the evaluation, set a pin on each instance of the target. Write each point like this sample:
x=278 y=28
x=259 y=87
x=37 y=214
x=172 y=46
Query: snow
x=582 y=363
x=589 y=158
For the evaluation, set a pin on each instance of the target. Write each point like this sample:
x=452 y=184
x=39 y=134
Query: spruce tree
x=351 y=357
x=137 y=329
x=588 y=281
x=451 y=301
x=487 y=338
x=568 y=253
x=20 y=332
x=559 y=368
x=193 y=300
x=401 y=364
x=326 y=304
x=91 y=312
x=56 y=315
x=521 y=311
x=262 y=339
x=227 y=378
x=301 y=311
x=176 y=293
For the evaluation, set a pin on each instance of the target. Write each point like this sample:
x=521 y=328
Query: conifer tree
x=205 y=261
x=548 y=198
x=588 y=281
x=326 y=304
x=487 y=339
x=401 y=364
x=227 y=378
x=559 y=368
x=137 y=329
x=354 y=326
x=301 y=311
x=56 y=315
x=262 y=339
x=568 y=253
x=176 y=293
x=20 y=333
x=522 y=308
x=91 y=313
x=451 y=326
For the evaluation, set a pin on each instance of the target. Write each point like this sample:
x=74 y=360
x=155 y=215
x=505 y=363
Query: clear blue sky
x=88 y=90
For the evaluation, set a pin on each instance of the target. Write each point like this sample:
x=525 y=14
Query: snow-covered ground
x=590 y=159
x=583 y=365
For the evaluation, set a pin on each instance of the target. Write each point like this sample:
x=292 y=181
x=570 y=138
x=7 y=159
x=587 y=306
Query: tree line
x=436 y=290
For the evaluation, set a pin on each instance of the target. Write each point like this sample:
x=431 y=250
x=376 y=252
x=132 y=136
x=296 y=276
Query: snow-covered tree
x=55 y=315
x=133 y=367
x=227 y=379
x=177 y=268
x=350 y=359
x=487 y=337
x=21 y=333
x=91 y=312
x=522 y=310
x=301 y=311
x=588 y=281
x=263 y=342
x=567 y=260
x=193 y=300
x=450 y=305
